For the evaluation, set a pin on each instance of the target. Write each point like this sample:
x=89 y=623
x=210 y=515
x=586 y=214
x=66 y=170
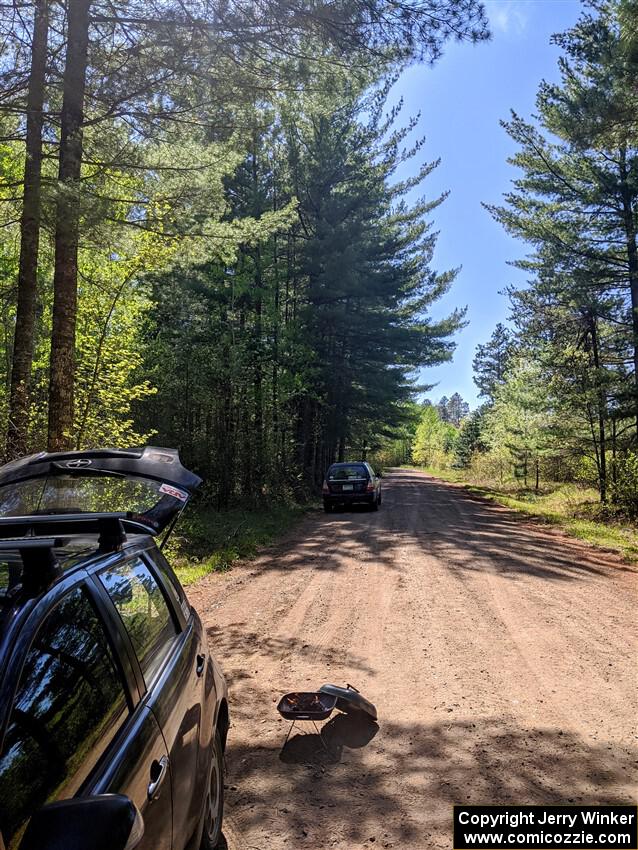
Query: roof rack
x=111 y=534
x=40 y=566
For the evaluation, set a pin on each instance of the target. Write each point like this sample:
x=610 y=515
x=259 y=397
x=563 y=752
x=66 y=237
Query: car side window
x=171 y=579
x=69 y=704
x=144 y=612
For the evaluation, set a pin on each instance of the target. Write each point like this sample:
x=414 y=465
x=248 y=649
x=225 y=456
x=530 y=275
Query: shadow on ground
x=304 y=791
x=352 y=731
x=461 y=529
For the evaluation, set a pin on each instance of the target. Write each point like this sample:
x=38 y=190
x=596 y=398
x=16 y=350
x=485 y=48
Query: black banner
x=529 y=827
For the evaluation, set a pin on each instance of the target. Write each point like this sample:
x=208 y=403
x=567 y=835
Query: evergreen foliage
x=575 y=202
x=470 y=439
x=491 y=361
x=216 y=252
x=453 y=409
x=560 y=381
x=271 y=367
x=155 y=119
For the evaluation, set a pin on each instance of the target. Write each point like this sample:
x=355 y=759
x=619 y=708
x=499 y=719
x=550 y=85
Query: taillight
x=325 y=488
x=370 y=487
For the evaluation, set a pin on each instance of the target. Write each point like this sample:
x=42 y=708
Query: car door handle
x=201 y=661
x=158 y=774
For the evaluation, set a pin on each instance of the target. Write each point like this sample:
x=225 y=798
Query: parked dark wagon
x=354 y=483
x=113 y=713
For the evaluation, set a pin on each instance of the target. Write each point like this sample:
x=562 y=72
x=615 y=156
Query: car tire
x=375 y=505
x=214 y=811
x=327 y=507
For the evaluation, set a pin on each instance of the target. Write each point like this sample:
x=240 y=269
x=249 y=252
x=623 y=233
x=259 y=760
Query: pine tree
x=471 y=439
x=301 y=349
x=577 y=199
x=576 y=204
x=27 y=289
x=442 y=407
x=457 y=409
x=491 y=361
x=519 y=420
x=137 y=75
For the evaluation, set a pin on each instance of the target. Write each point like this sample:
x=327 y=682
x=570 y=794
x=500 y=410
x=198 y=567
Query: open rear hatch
x=144 y=489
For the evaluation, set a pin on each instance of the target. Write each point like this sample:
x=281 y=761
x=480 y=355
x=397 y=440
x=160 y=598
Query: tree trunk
x=62 y=378
x=628 y=200
x=614 y=468
x=277 y=451
x=24 y=339
x=258 y=393
x=602 y=409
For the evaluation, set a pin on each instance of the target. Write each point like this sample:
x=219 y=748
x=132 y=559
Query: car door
x=72 y=716
x=171 y=666
x=139 y=768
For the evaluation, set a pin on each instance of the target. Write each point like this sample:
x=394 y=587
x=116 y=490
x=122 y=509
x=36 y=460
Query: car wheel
x=327 y=507
x=375 y=505
x=214 y=810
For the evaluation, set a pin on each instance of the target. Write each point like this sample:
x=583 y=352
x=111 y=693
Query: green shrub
x=624 y=489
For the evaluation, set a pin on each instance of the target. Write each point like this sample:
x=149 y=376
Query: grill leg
x=319 y=731
x=292 y=726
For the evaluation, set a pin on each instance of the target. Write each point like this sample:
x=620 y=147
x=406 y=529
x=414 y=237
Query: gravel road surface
x=502 y=657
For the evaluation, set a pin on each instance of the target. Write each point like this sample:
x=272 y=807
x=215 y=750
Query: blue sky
x=461 y=101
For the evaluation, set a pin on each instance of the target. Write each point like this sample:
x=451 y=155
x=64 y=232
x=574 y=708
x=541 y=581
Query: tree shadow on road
x=247 y=647
x=465 y=532
x=400 y=787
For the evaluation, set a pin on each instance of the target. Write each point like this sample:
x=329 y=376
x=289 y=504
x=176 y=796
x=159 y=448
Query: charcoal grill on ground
x=316 y=706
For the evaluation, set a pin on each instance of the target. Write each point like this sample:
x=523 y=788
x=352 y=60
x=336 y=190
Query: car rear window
x=69 y=494
x=346 y=473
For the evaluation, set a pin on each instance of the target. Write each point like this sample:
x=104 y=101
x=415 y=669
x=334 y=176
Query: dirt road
x=502 y=658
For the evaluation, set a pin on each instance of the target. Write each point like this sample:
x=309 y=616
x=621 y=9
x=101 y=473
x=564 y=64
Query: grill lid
x=349 y=699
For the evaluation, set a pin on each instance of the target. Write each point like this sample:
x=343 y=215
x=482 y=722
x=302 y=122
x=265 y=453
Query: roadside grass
x=574 y=508
x=207 y=540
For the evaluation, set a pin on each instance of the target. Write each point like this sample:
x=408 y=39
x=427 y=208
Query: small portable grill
x=306 y=705
x=315 y=706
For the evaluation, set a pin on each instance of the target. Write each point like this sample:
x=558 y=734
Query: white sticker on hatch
x=174 y=492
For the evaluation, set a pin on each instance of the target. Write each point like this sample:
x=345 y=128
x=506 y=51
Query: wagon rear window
x=346 y=473
x=69 y=494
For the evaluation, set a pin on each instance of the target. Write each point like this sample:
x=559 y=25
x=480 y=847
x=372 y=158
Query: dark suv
x=113 y=713
x=351 y=483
